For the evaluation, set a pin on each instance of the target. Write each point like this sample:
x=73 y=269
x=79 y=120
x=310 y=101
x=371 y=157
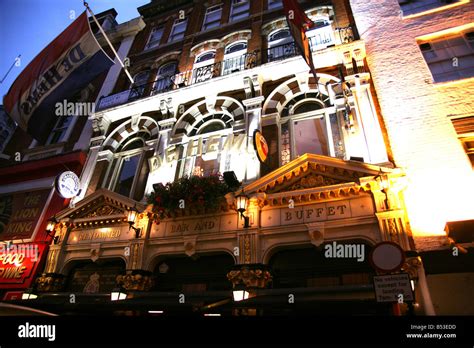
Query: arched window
x=234 y=57
x=203 y=66
x=130 y=169
x=310 y=128
x=164 y=77
x=138 y=87
x=280 y=45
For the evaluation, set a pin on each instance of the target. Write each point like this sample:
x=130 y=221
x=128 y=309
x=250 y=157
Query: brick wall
x=415 y=110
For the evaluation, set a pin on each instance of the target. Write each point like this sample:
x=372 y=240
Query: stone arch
x=204 y=46
x=241 y=35
x=200 y=113
x=154 y=259
x=276 y=24
x=69 y=264
x=276 y=247
x=165 y=58
x=321 y=11
x=293 y=87
x=146 y=125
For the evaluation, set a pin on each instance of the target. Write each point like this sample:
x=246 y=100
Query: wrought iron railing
x=226 y=67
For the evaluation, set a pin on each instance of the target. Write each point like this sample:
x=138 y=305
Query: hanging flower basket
x=189 y=196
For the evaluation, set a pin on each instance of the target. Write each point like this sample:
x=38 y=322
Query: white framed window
x=178 y=30
x=164 y=75
x=311 y=129
x=321 y=35
x=130 y=170
x=274 y=4
x=280 y=45
x=203 y=68
x=58 y=134
x=155 y=37
x=450 y=58
x=240 y=9
x=410 y=7
x=234 y=57
x=212 y=18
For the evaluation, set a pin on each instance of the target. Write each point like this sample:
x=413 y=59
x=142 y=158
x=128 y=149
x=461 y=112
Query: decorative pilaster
x=367 y=116
x=253 y=115
x=247 y=247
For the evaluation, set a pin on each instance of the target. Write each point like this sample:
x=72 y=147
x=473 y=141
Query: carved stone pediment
x=102 y=204
x=312 y=171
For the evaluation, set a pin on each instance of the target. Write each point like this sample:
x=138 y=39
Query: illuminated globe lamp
x=242 y=201
x=131 y=218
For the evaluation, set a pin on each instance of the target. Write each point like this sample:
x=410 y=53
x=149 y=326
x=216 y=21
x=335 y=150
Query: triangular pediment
x=313 y=171
x=102 y=204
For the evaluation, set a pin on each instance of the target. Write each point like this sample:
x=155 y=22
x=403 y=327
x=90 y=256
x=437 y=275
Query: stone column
x=253 y=115
x=367 y=115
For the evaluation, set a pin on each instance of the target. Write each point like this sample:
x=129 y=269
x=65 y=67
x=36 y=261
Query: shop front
x=27 y=201
x=311 y=227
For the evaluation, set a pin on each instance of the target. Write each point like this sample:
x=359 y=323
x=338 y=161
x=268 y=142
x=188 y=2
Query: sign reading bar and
x=393 y=288
x=20 y=213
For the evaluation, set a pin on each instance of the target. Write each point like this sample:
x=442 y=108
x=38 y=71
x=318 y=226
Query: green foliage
x=197 y=193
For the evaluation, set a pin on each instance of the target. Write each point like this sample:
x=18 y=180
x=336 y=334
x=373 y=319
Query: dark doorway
x=94 y=277
x=201 y=273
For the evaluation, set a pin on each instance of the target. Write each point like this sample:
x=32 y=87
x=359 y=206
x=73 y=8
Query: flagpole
x=108 y=41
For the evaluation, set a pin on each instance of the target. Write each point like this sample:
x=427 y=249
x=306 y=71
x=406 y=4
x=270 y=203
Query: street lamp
x=131 y=218
x=118 y=294
x=50 y=226
x=29 y=294
x=240 y=293
x=242 y=201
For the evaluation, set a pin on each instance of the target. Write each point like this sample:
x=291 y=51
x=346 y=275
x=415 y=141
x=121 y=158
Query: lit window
x=240 y=9
x=280 y=45
x=310 y=129
x=178 y=30
x=450 y=58
x=131 y=170
x=410 y=7
x=234 y=57
x=274 y=4
x=164 y=77
x=155 y=37
x=212 y=18
x=60 y=129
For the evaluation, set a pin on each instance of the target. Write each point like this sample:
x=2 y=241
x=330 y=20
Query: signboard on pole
x=393 y=288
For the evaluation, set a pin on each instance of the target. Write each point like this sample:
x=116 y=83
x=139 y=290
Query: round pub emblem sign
x=67 y=184
x=260 y=145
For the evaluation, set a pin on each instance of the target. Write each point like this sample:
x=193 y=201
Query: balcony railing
x=323 y=39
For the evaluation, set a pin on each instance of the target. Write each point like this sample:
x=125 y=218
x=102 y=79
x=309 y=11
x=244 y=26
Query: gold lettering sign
x=89 y=235
x=318 y=212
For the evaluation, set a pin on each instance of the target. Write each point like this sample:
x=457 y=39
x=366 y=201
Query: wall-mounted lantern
x=242 y=201
x=131 y=218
